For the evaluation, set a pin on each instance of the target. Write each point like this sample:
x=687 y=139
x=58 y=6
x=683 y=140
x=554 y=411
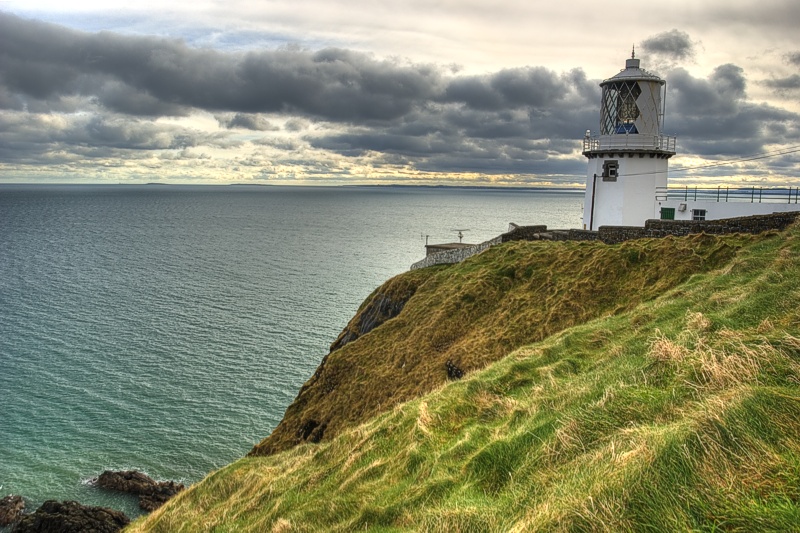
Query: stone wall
x=583 y=235
x=523 y=233
x=455 y=256
x=618 y=234
x=663 y=228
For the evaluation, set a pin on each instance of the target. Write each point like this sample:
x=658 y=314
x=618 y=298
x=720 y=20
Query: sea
x=166 y=328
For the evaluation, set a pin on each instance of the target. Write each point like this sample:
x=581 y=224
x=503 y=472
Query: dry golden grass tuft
x=791 y=342
x=733 y=363
x=665 y=350
x=424 y=419
x=765 y=326
x=697 y=321
x=282 y=525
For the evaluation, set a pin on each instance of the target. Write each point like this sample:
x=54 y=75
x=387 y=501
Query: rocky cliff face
x=382 y=305
x=432 y=325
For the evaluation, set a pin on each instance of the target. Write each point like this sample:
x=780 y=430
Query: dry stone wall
x=450 y=257
x=663 y=228
x=618 y=234
x=523 y=233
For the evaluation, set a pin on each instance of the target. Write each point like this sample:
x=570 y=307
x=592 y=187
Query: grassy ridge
x=681 y=412
x=476 y=312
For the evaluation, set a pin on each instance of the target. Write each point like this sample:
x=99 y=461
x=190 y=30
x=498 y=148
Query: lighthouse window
x=698 y=214
x=619 y=110
x=610 y=170
x=628 y=111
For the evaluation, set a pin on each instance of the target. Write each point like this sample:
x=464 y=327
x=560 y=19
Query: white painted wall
x=630 y=200
x=717 y=210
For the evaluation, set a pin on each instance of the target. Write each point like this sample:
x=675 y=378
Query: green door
x=667 y=213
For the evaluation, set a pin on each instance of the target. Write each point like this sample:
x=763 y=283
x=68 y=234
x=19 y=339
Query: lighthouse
x=628 y=159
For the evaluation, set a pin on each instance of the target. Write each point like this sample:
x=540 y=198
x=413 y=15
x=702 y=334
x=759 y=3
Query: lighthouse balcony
x=752 y=195
x=657 y=144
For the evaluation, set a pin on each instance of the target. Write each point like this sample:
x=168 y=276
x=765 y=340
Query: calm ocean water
x=167 y=328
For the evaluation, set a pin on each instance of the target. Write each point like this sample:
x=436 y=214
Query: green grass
x=673 y=409
x=476 y=312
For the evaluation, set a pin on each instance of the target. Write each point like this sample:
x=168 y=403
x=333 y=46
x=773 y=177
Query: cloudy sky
x=392 y=91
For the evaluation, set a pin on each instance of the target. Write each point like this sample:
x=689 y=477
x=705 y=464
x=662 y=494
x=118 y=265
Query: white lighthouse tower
x=628 y=160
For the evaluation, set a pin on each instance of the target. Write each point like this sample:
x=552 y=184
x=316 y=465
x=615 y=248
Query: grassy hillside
x=468 y=315
x=671 y=408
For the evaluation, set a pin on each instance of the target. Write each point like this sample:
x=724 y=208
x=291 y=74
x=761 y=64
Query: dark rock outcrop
x=384 y=306
x=453 y=372
x=69 y=517
x=152 y=494
x=154 y=500
x=11 y=508
x=380 y=308
x=311 y=431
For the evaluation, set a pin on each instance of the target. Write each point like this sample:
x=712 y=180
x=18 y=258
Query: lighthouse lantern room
x=628 y=159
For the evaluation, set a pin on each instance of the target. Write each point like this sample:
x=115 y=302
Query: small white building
x=627 y=180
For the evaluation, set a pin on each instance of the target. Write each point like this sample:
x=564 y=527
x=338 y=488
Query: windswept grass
x=678 y=411
x=472 y=314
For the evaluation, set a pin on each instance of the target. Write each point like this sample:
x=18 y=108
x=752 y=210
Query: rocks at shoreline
x=152 y=494
x=70 y=517
x=11 y=508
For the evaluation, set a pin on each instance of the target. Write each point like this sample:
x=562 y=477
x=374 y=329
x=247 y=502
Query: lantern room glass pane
x=619 y=109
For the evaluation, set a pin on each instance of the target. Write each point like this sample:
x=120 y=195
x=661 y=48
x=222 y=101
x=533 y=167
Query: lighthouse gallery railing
x=758 y=195
x=635 y=141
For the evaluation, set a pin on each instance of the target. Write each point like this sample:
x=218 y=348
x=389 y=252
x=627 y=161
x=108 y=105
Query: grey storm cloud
x=25 y=136
x=712 y=116
x=718 y=95
x=296 y=124
x=789 y=83
x=673 y=44
x=532 y=86
x=511 y=117
x=123 y=98
x=125 y=73
x=151 y=76
x=247 y=121
x=405 y=109
x=520 y=120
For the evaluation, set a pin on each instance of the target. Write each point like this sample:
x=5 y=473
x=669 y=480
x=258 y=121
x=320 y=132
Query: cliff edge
x=662 y=394
x=425 y=327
